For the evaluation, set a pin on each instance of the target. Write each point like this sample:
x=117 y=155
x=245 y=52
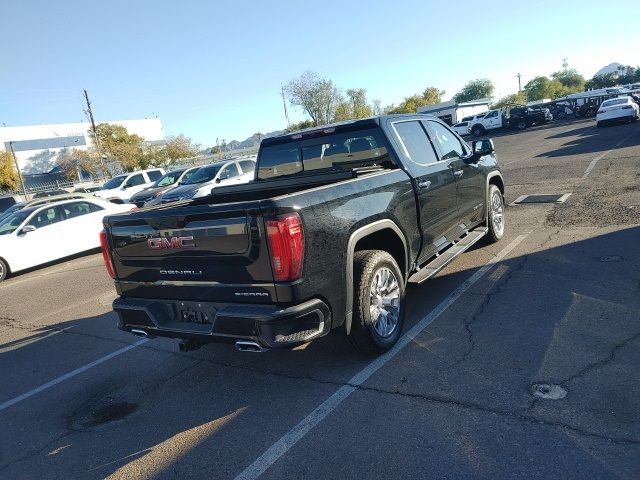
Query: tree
x=360 y=108
x=570 y=79
x=8 y=174
x=475 y=90
x=519 y=98
x=430 y=96
x=300 y=126
x=121 y=146
x=602 y=81
x=318 y=97
x=180 y=146
x=542 y=87
x=72 y=161
x=377 y=107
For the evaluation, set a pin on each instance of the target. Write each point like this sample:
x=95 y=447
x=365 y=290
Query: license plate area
x=194 y=312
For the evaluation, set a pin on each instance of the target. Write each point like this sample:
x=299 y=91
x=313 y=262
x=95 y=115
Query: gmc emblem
x=170 y=243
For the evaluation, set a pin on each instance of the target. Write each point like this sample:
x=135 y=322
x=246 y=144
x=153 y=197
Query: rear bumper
x=268 y=325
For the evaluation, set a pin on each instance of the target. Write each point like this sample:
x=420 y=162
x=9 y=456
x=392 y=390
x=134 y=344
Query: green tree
x=121 y=146
x=73 y=160
x=602 y=81
x=430 y=96
x=360 y=107
x=294 y=127
x=570 y=79
x=177 y=147
x=543 y=87
x=519 y=98
x=344 y=111
x=475 y=90
x=318 y=97
x=8 y=174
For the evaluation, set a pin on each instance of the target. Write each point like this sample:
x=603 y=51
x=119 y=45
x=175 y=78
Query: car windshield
x=204 y=174
x=617 y=101
x=114 y=182
x=9 y=223
x=168 y=179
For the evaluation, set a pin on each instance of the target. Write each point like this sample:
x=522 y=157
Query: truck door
x=492 y=120
x=434 y=185
x=470 y=182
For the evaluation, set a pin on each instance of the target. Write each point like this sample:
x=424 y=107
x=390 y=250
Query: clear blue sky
x=213 y=69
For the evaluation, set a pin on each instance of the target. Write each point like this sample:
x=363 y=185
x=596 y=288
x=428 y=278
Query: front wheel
x=4 y=269
x=378 y=304
x=495 y=214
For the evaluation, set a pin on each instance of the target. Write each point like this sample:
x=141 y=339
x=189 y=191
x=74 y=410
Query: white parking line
x=69 y=375
x=294 y=435
x=593 y=162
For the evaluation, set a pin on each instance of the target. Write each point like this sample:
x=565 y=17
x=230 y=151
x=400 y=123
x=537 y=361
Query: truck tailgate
x=200 y=250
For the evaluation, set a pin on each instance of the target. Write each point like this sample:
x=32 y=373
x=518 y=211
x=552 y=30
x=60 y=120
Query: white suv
x=122 y=187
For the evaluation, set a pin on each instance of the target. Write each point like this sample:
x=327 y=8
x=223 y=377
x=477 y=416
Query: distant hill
x=252 y=141
x=611 y=68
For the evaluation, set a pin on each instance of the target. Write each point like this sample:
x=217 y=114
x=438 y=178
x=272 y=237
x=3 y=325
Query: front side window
x=137 y=179
x=247 y=166
x=168 y=179
x=450 y=146
x=202 y=175
x=115 y=182
x=9 y=223
x=229 y=171
x=416 y=143
x=45 y=217
x=491 y=114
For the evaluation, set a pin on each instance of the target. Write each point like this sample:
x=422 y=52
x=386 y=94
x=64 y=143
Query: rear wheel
x=495 y=214
x=378 y=304
x=4 y=269
x=521 y=125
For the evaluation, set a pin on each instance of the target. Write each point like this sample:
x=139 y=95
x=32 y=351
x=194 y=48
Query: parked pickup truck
x=511 y=116
x=338 y=220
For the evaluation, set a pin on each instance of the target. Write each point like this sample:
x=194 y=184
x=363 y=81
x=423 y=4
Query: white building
x=36 y=146
x=452 y=112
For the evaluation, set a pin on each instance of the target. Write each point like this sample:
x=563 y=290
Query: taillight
x=106 y=254
x=286 y=246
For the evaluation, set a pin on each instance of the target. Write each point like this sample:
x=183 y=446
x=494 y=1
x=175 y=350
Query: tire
x=521 y=125
x=477 y=130
x=370 y=335
x=4 y=269
x=495 y=210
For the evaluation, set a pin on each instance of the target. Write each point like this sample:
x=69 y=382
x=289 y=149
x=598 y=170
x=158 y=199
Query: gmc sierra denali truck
x=337 y=222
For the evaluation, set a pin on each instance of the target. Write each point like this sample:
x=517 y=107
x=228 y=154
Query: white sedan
x=32 y=236
x=619 y=109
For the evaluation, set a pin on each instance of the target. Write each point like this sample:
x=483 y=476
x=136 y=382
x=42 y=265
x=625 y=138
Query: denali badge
x=180 y=272
x=170 y=242
x=251 y=294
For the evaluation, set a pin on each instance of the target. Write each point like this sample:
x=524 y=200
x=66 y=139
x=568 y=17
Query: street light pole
x=24 y=191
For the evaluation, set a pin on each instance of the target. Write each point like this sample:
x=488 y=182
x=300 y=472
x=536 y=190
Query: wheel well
x=7 y=264
x=497 y=181
x=387 y=240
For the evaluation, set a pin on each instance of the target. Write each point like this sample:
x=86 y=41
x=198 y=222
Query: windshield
x=202 y=175
x=115 y=182
x=9 y=223
x=168 y=179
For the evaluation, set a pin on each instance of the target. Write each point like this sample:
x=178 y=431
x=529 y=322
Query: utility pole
x=95 y=133
x=24 y=190
x=519 y=85
x=284 y=104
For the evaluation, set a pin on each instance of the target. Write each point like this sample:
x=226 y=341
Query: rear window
x=326 y=153
x=617 y=101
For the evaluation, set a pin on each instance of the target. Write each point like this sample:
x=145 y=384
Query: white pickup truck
x=515 y=116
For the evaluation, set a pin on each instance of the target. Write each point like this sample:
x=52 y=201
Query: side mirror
x=218 y=180
x=482 y=147
x=125 y=186
x=28 y=228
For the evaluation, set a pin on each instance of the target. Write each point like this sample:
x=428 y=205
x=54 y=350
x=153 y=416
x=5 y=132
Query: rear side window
x=154 y=175
x=416 y=143
x=247 y=165
x=230 y=171
x=77 y=209
x=279 y=160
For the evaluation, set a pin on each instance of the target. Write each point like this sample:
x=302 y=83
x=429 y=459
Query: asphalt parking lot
x=520 y=360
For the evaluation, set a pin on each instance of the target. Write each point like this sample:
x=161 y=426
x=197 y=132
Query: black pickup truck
x=337 y=222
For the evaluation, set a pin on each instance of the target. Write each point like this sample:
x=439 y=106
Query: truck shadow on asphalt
x=566 y=315
x=595 y=140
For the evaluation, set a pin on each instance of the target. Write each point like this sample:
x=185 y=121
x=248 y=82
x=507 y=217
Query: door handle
x=424 y=185
x=458 y=173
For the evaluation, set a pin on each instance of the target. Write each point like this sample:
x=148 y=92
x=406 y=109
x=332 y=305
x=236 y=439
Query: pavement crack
x=603 y=361
x=477 y=313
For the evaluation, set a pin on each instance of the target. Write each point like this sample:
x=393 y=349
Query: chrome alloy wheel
x=384 y=304
x=497 y=213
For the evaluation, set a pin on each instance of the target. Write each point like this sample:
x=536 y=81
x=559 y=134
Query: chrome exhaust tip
x=248 y=346
x=139 y=333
